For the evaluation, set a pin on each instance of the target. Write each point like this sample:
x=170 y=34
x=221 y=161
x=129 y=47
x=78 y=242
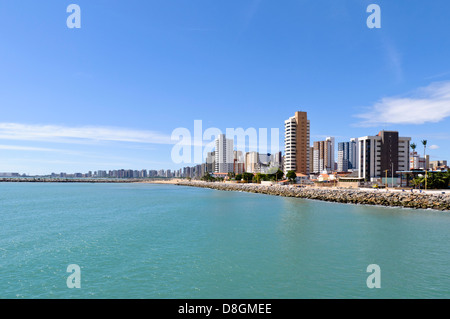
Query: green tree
x=419 y=181
x=447 y=178
x=274 y=174
x=279 y=175
x=207 y=177
x=438 y=180
x=413 y=147
x=291 y=176
x=247 y=177
x=238 y=177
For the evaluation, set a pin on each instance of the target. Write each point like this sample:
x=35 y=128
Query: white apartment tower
x=224 y=155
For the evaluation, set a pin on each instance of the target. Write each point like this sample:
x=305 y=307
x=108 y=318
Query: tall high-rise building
x=312 y=169
x=383 y=154
x=143 y=173
x=343 y=156
x=211 y=162
x=347 y=155
x=331 y=158
x=238 y=162
x=251 y=162
x=224 y=154
x=276 y=160
x=323 y=155
x=297 y=144
x=353 y=154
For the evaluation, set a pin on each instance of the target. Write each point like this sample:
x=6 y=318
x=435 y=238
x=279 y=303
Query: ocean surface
x=165 y=241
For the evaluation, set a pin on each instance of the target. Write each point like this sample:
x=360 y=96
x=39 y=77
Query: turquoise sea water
x=158 y=241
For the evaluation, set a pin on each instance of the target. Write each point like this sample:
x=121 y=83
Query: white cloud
x=430 y=104
x=26 y=148
x=38 y=149
x=433 y=147
x=87 y=134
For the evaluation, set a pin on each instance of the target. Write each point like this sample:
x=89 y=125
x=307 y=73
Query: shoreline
x=434 y=200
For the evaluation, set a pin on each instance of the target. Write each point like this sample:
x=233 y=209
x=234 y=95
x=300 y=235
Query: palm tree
x=413 y=147
x=424 y=142
x=417 y=181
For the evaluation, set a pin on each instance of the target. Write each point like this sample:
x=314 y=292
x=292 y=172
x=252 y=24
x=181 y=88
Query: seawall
x=354 y=196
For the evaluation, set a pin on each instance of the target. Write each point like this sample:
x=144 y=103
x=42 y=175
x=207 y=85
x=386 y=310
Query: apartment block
x=297 y=144
x=347 y=155
x=323 y=155
x=436 y=164
x=251 y=162
x=224 y=155
x=385 y=153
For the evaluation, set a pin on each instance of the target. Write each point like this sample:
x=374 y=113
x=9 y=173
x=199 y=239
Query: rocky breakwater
x=66 y=180
x=436 y=201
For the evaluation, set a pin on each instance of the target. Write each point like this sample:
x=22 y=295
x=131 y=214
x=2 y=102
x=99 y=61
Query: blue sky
x=109 y=95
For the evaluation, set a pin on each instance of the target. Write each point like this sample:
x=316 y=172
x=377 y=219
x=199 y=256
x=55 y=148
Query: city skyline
x=369 y=156
x=75 y=103
x=310 y=157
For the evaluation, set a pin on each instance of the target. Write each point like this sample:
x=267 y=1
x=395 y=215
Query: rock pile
x=354 y=196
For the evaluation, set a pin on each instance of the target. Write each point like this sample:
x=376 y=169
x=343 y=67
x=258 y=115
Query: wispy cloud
x=431 y=136
x=429 y=104
x=434 y=147
x=435 y=76
x=86 y=134
x=394 y=58
x=26 y=148
x=39 y=149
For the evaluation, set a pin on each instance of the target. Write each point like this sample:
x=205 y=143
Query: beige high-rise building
x=297 y=145
x=323 y=156
x=251 y=162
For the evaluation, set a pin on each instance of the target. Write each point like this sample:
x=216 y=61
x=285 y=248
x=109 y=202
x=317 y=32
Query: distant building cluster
x=10 y=175
x=121 y=173
x=225 y=159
